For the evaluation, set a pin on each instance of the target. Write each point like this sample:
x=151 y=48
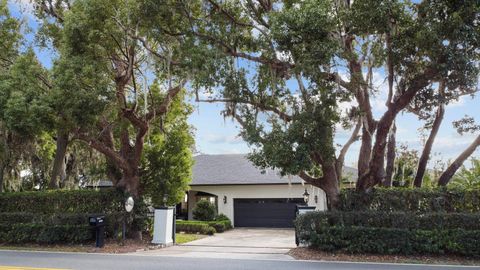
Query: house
x=247 y=196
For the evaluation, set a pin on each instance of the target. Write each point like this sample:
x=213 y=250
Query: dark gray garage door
x=273 y=213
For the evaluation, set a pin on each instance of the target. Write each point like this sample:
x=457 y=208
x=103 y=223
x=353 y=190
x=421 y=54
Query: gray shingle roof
x=236 y=169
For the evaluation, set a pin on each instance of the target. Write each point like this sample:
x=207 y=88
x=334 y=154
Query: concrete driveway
x=241 y=243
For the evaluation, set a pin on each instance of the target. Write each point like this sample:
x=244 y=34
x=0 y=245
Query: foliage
x=204 y=211
x=221 y=217
x=468 y=178
x=45 y=234
x=393 y=241
x=405 y=166
x=398 y=220
x=62 y=201
x=64 y=212
x=411 y=200
x=113 y=84
x=167 y=162
x=195 y=227
x=284 y=68
x=220 y=224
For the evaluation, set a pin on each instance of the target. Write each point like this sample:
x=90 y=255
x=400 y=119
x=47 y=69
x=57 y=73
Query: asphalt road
x=80 y=261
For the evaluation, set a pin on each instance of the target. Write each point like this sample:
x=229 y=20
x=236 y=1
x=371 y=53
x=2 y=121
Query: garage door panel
x=265 y=212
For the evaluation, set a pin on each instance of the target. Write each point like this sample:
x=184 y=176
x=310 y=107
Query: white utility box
x=164 y=226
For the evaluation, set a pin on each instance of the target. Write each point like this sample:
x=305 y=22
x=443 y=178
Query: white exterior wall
x=255 y=191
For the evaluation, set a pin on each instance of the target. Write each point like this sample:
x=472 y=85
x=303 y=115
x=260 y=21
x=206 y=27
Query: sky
x=216 y=135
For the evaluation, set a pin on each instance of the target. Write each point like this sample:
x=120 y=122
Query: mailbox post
x=98 y=222
x=300 y=210
x=164 y=226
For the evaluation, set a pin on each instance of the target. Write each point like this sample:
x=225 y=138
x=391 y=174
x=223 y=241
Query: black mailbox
x=98 y=221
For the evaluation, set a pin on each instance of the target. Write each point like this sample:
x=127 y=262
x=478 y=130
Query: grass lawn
x=182 y=238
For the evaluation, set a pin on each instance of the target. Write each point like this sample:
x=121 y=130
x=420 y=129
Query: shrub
x=62 y=201
x=393 y=241
x=211 y=231
x=194 y=227
x=400 y=220
x=204 y=211
x=397 y=221
x=222 y=223
x=49 y=234
x=411 y=200
x=219 y=226
x=221 y=217
x=45 y=214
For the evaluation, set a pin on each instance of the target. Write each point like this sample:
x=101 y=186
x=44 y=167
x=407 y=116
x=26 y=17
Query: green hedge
x=62 y=201
x=39 y=213
x=393 y=241
x=113 y=220
x=45 y=234
x=220 y=225
x=399 y=220
x=411 y=200
x=200 y=227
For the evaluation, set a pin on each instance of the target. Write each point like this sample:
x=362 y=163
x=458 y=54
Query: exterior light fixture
x=306 y=196
x=316 y=198
x=225 y=199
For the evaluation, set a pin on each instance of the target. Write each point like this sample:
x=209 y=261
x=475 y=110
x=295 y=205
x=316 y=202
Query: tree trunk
x=329 y=183
x=59 y=166
x=340 y=162
x=2 y=170
x=391 y=147
x=376 y=171
x=422 y=163
x=452 y=169
x=332 y=192
x=365 y=152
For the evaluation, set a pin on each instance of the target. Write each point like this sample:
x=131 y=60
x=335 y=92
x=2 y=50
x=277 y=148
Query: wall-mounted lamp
x=306 y=196
x=316 y=198
x=225 y=199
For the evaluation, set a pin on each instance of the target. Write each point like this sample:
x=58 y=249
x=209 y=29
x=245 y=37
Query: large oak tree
x=331 y=50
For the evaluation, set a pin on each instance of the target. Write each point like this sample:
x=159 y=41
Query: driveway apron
x=239 y=243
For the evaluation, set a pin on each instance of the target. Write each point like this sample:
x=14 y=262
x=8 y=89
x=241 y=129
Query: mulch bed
x=111 y=246
x=303 y=253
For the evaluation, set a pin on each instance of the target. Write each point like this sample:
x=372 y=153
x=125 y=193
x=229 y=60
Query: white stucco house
x=247 y=196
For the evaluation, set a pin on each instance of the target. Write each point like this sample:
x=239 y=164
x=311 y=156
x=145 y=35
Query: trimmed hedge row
x=113 y=220
x=62 y=201
x=399 y=220
x=202 y=227
x=194 y=227
x=393 y=241
x=411 y=200
x=45 y=234
x=50 y=216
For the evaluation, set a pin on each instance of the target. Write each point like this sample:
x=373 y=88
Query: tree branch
x=164 y=106
x=284 y=116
